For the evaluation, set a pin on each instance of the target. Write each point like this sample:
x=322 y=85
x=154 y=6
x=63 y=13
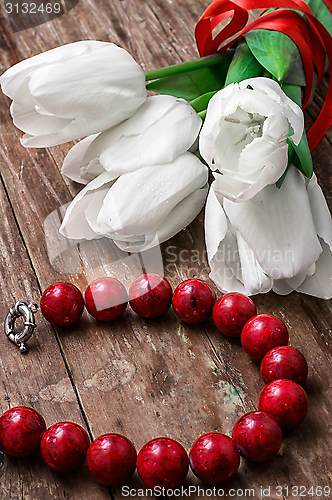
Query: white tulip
x=161 y=129
x=244 y=136
x=73 y=91
x=281 y=239
x=139 y=209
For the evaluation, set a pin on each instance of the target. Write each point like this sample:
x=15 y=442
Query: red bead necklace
x=163 y=462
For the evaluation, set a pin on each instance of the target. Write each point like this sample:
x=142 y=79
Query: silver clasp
x=21 y=308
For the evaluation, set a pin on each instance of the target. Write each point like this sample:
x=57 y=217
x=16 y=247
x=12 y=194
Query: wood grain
x=141 y=378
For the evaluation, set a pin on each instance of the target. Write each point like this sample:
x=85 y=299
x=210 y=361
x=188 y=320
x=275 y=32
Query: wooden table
x=140 y=378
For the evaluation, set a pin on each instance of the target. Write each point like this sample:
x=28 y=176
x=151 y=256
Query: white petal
x=158 y=142
x=254 y=101
x=274 y=165
x=277 y=224
x=150 y=193
x=320 y=283
x=96 y=200
x=89 y=84
x=74 y=224
x=210 y=128
x=239 y=189
x=320 y=211
x=179 y=218
x=229 y=142
x=153 y=110
x=28 y=119
x=13 y=78
x=253 y=277
x=74 y=160
x=76 y=129
x=290 y=109
x=229 y=187
x=221 y=247
x=286 y=286
x=73 y=96
x=263 y=154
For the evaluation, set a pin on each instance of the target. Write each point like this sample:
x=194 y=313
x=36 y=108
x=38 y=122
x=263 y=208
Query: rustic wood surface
x=143 y=379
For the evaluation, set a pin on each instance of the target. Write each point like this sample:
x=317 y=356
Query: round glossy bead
x=162 y=462
x=21 y=429
x=111 y=459
x=64 y=445
x=214 y=458
x=62 y=304
x=284 y=362
x=286 y=401
x=106 y=299
x=150 y=295
x=231 y=312
x=261 y=333
x=258 y=436
x=193 y=300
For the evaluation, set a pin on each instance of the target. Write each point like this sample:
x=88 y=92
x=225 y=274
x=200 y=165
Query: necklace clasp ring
x=21 y=308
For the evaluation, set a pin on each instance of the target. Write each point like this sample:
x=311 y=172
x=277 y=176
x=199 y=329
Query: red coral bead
x=193 y=300
x=62 y=304
x=150 y=295
x=21 y=429
x=111 y=459
x=286 y=401
x=162 y=462
x=106 y=299
x=284 y=362
x=231 y=312
x=214 y=458
x=258 y=436
x=261 y=333
x=64 y=445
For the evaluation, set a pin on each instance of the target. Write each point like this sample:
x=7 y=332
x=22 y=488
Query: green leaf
x=299 y=155
x=294 y=92
x=278 y=54
x=243 y=66
x=192 y=79
x=201 y=103
x=202 y=114
x=282 y=178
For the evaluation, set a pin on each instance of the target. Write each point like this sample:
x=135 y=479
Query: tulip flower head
x=161 y=129
x=279 y=240
x=73 y=91
x=243 y=139
x=142 y=184
x=139 y=209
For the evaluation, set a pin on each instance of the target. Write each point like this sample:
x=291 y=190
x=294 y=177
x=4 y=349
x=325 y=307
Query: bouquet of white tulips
x=237 y=110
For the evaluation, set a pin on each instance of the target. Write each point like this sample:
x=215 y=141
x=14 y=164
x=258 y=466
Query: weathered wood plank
x=38 y=378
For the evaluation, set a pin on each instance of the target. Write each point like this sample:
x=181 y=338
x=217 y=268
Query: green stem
x=282 y=178
x=202 y=114
x=175 y=69
x=200 y=103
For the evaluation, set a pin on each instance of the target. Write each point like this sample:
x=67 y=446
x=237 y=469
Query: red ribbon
x=309 y=35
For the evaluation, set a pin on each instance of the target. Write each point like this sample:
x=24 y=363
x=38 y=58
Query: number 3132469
x=32 y=8
x=303 y=491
